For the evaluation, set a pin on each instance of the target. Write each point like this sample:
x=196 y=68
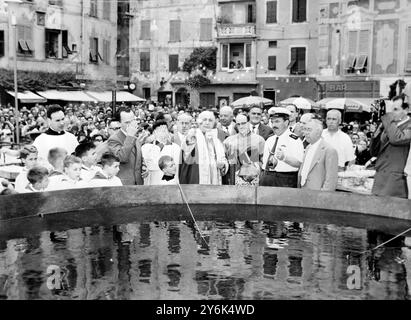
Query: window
x=251 y=13
x=94 y=53
x=173 y=62
x=93 y=8
x=145 y=30
x=52 y=43
x=147 y=93
x=248 y=55
x=107 y=9
x=64 y=43
x=106 y=51
x=41 y=18
x=224 y=56
x=145 y=61
x=272 y=63
x=358 y=51
x=175 y=28
x=24 y=45
x=207 y=100
x=272 y=44
x=56 y=2
x=408 y=62
x=206 y=29
x=271 y=11
x=1 y=43
x=297 y=64
x=299 y=10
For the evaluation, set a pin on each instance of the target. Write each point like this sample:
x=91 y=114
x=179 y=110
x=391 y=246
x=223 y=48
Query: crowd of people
x=87 y=145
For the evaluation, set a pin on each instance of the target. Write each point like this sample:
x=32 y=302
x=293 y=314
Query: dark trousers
x=279 y=179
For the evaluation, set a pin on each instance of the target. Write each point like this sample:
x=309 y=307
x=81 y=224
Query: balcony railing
x=236 y=30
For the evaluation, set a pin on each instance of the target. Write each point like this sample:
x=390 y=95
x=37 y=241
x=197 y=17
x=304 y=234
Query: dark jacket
x=391 y=147
x=265 y=131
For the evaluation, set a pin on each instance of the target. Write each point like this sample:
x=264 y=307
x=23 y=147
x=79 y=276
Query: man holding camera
x=125 y=145
x=283 y=153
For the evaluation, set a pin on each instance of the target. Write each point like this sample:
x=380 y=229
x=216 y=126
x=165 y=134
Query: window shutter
x=173 y=63
x=106 y=9
x=271 y=11
x=272 y=63
x=295 y=10
x=301 y=59
x=302 y=10
x=364 y=42
x=206 y=30
x=352 y=43
x=175 y=30
x=1 y=43
x=145 y=29
x=408 y=62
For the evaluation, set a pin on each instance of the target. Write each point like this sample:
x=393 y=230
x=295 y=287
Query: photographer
x=125 y=145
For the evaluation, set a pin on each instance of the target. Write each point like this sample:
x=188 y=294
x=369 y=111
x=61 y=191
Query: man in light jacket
x=319 y=170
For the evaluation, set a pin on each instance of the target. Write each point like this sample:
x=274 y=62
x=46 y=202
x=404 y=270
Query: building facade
x=58 y=35
x=287 y=48
x=364 y=46
x=163 y=34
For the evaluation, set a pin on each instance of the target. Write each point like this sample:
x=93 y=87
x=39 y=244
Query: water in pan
x=169 y=260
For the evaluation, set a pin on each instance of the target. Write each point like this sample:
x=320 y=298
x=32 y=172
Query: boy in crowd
x=86 y=151
x=71 y=179
x=28 y=156
x=168 y=166
x=38 y=178
x=107 y=176
x=56 y=158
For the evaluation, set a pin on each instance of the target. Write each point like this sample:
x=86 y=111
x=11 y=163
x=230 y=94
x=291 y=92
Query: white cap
x=278 y=110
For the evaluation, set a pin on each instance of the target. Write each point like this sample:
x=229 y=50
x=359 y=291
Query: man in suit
x=391 y=145
x=184 y=122
x=257 y=126
x=226 y=121
x=319 y=170
x=125 y=145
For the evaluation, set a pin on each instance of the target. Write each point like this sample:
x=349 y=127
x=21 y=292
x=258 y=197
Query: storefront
x=281 y=88
x=350 y=89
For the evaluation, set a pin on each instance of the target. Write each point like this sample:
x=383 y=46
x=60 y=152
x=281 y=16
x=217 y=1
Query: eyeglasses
x=116 y=128
x=241 y=123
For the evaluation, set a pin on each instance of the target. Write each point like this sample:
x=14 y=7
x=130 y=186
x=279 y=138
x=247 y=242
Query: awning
x=121 y=96
x=28 y=97
x=80 y=96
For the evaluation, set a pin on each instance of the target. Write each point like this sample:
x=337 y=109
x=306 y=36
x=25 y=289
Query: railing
x=236 y=30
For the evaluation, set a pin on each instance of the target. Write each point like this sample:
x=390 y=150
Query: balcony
x=227 y=31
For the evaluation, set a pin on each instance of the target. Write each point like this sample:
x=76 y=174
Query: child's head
x=56 y=158
x=167 y=165
x=72 y=167
x=86 y=151
x=28 y=156
x=110 y=164
x=38 y=177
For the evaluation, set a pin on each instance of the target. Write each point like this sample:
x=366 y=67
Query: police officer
x=283 y=152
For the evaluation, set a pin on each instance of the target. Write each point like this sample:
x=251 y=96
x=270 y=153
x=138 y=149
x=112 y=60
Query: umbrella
x=251 y=101
x=347 y=104
x=299 y=102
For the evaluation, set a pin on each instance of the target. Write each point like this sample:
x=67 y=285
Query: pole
x=16 y=100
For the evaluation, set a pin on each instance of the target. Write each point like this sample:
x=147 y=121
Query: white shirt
x=62 y=182
x=291 y=147
x=342 y=144
x=21 y=182
x=45 y=142
x=151 y=154
x=102 y=180
x=88 y=173
x=255 y=128
x=309 y=156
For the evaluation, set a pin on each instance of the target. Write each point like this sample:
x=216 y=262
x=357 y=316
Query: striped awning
x=28 y=97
